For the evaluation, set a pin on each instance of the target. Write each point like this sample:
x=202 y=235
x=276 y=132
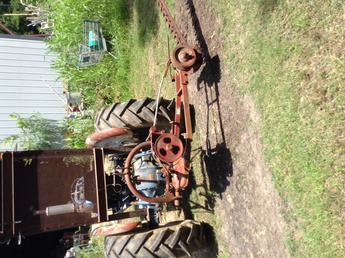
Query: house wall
x=24 y=62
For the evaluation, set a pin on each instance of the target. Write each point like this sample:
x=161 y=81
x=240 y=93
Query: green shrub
x=37 y=133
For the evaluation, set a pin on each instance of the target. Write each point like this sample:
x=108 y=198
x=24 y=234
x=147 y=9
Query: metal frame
x=33 y=180
x=93 y=47
x=185 y=60
x=25 y=172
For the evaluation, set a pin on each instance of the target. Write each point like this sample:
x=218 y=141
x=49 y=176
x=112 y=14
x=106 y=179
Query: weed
x=37 y=133
x=287 y=55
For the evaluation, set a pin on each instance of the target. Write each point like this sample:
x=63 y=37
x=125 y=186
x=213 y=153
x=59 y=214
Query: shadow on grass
x=216 y=157
x=267 y=6
x=147 y=19
x=191 y=207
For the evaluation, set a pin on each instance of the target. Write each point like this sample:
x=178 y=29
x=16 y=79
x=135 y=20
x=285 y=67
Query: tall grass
x=128 y=27
x=149 y=49
x=289 y=55
x=107 y=81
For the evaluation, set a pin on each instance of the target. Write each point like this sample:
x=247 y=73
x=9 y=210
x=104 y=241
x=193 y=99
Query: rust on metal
x=101 y=190
x=110 y=138
x=34 y=180
x=115 y=229
x=183 y=57
x=129 y=214
x=172 y=25
x=6 y=29
x=168 y=147
x=31 y=181
x=172 y=152
x=7 y=195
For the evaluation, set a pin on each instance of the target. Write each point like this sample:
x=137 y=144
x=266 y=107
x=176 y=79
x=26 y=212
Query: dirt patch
x=226 y=127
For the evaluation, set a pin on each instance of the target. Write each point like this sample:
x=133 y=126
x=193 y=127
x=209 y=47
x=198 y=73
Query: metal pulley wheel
x=183 y=57
x=168 y=148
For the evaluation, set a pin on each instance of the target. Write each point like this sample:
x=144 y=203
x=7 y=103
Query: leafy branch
x=37 y=133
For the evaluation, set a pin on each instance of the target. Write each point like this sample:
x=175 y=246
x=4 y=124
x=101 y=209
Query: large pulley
x=168 y=148
x=185 y=58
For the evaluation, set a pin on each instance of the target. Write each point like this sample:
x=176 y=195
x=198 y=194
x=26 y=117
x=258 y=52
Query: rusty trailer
x=40 y=192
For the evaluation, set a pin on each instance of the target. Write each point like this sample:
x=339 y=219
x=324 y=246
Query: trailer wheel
x=183 y=240
x=136 y=114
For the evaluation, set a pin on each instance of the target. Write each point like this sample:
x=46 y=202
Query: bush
x=37 y=133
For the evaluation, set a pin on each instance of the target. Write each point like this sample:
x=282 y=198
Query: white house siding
x=24 y=61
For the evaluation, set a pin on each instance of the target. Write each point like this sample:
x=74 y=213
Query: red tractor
x=139 y=156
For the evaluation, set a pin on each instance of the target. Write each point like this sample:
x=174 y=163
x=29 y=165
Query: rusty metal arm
x=172 y=25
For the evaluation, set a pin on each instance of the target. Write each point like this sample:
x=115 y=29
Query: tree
x=37 y=133
x=18 y=24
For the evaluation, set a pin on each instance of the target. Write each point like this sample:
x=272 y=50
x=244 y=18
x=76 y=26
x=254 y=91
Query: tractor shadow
x=215 y=156
x=145 y=15
x=212 y=162
x=146 y=20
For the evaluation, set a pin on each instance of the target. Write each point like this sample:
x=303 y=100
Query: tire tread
x=136 y=114
x=168 y=241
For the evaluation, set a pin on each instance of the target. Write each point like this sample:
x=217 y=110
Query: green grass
x=107 y=81
x=151 y=40
x=202 y=203
x=134 y=32
x=290 y=57
x=93 y=250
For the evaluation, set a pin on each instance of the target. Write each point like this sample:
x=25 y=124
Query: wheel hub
x=183 y=57
x=168 y=147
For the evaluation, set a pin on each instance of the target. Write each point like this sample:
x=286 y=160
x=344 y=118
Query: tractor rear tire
x=136 y=114
x=183 y=240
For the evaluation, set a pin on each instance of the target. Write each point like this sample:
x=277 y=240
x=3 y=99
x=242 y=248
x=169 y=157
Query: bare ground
x=227 y=130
